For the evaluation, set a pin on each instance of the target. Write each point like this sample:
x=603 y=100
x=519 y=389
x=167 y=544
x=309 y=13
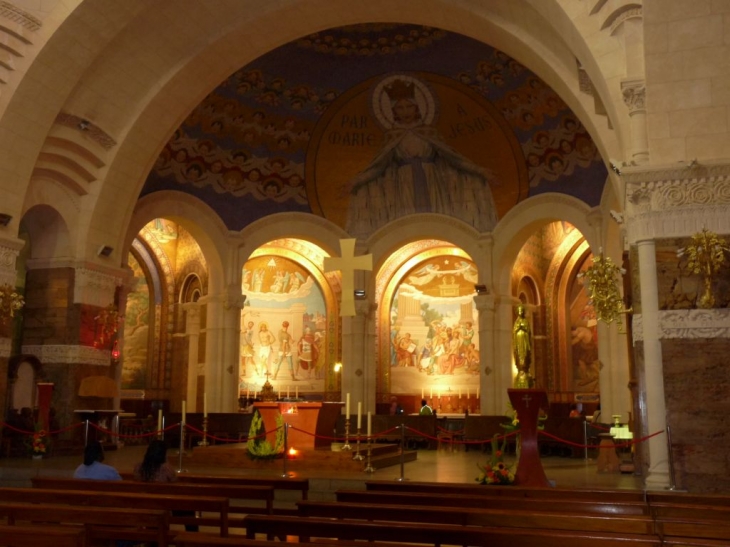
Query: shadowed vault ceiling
x=308 y=127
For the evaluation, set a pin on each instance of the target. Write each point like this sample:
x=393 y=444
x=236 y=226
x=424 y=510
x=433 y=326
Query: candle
x=359 y=415
x=247 y=394
x=287 y=392
x=370 y=424
x=183 y=412
x=431 y=394
x=205 y=405
x=467 y=392
x=296 y=392
x=279 y=397
x=347 y=406
x=459 y=393
x=159 y=419
x=477 y=392
x=421 y=393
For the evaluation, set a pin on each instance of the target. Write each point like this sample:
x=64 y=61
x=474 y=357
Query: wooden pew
x=100 y=523
x=296 y=484
x=216 y=509
x=41 y=536
x=264 y=494
x=506 y=491
x=596 y=507
x=508 y=516
x=436 y=534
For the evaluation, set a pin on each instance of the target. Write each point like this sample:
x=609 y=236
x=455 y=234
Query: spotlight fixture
x=105 y=251
x=337 y=367
x=481 y=289
x=5 y=219
x=84 y=125
x=360 y=294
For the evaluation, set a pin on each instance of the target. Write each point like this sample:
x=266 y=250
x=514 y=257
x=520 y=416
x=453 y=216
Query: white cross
x=527 y=400
x=347 y=264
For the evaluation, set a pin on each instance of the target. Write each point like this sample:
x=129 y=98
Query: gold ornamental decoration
x=10 y=302
x=705 y=256
x=601 y=283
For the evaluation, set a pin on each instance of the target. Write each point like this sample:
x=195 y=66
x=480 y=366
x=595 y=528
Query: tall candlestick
x=296 y=392
x=205 y=405
x=279 y=397
x=359 y=416
x=477 y=392
x=370 y=424
x=467 y=392
x=183 y=412
x=430 y=395
x=247 y=394
x=347 y=406
x=159 y=419
x=421 y=393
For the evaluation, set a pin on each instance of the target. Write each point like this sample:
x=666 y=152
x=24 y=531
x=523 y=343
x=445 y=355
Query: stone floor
x=457 y=466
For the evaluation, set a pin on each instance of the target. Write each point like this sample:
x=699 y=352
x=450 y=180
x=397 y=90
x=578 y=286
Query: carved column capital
x=634 y=93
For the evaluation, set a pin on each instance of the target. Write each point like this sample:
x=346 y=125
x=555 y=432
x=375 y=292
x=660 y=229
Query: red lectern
x=527 y=403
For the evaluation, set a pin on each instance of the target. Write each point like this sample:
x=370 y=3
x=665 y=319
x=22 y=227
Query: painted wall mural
x=433 y=343
x=284 y=328
x=136 y=329
x=262 y=141
x=584 y=338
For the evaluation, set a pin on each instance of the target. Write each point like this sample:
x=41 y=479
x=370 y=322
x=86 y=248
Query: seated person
x=92 y=468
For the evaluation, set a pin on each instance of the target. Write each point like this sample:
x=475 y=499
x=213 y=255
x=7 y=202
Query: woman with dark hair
x=154 y=466
x=92 y=468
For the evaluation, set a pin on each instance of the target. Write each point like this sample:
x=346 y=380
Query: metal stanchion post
x=181 y=451
x=285 y=473
x=672 y=485
x=402 y=452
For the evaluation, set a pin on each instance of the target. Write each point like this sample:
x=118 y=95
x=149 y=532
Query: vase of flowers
x=40 y=443
x=495 y=471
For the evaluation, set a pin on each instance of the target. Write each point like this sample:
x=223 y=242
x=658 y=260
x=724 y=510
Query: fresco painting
x=434 y=340
x=283 y=328
x=136 y=330
x=260 y=143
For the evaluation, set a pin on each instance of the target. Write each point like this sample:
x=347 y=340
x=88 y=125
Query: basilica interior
x=203 y=198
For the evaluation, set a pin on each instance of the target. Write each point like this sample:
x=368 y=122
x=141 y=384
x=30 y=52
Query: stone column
x=634 y=93
x=486 y=305
x=358 y=357
x=223 y=332
x=192 y=334
x=657 y=477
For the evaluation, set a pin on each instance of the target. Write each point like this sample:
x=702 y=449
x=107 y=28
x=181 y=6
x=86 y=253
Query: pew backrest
x=216 y=509
x=34 y=535
x=109 y=523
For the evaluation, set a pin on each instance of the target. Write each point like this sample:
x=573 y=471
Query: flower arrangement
x=40 y=443
x=495 y=471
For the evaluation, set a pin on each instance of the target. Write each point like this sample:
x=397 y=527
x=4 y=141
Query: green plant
x=258 y=447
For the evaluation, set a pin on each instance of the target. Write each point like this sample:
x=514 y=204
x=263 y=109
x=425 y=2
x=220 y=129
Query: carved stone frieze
x=9 y=251
x=70 y=355
x=10 y=11
x=677 y=202
x=691 y=324
x=95 y=288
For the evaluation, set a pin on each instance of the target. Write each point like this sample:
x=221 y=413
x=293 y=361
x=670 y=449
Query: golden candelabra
x=602 y=287
x=705 y=256
x=10 y=302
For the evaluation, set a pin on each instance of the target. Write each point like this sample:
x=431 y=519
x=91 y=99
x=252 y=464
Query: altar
x=312 y=424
